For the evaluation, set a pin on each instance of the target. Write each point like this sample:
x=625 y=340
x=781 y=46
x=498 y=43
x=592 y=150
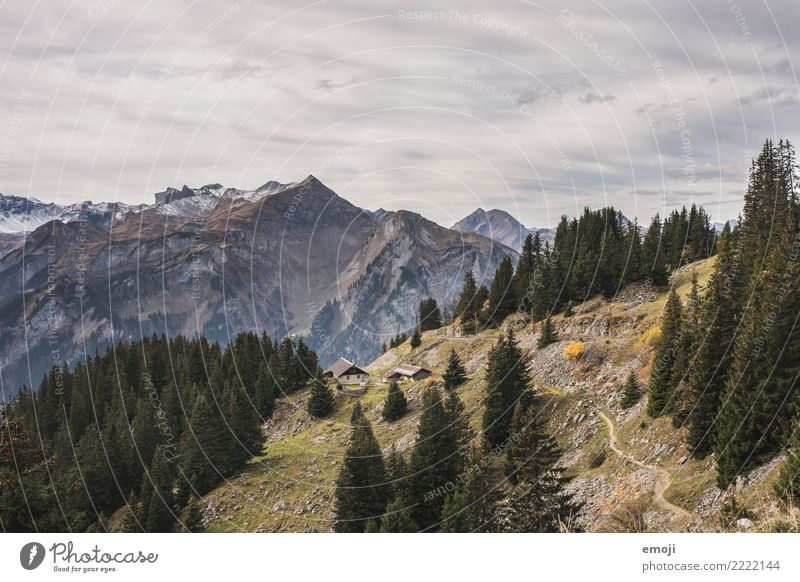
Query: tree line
x=727 y=363
x=148 y=426
x=598 y=252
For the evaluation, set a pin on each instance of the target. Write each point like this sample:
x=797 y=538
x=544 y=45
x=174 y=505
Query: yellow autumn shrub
x=650 y=337
x=574 y=350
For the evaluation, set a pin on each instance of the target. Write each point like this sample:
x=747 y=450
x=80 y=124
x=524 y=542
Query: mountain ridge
x=272 y=263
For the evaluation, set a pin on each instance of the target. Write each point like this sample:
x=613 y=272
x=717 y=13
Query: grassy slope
x=290 y=487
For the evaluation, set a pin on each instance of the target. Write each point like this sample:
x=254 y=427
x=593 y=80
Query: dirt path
x=663 y=477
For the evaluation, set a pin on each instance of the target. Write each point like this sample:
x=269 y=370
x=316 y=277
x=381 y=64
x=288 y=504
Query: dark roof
x=405 y=370
x=340 y=366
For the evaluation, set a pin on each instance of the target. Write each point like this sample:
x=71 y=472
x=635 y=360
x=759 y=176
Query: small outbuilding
x=406 y=372
x=345 y=372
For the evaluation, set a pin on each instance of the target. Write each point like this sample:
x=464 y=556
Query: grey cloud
x=200 y=94
x=590 y=98
x=771 y=94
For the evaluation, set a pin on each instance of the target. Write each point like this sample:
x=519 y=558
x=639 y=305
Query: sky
x=538 y=108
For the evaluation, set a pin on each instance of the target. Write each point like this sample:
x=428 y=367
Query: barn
x=406 y=372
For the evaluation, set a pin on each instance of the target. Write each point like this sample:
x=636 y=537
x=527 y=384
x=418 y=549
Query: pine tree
x=416 y=339
x=204 y=445
x=130 y=523
x=631 y=393
x=191 y=519
x=467 y=306
x=684 y=396
x=429 y=315
x=507 y=376
x=548 y=335
x=661 y=387
x=397 y=472
x=100 y=488
x=529 y=258
x=459 y=427
x=23 y=486
x=159 y=510
x=362 y=492
x=653 y=259
x=538 y=502
x=245 y=425
x=394 y=407
x=264 y=397
x=455 y=375
x=434 y=462
x=320 y=403
x=633 y=247
x=718 y=317
x=502 y=295
x=473 y=507
x=397 y=518
x=760 y=392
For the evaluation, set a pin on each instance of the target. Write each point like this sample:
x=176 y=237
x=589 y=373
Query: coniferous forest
x=148 y=428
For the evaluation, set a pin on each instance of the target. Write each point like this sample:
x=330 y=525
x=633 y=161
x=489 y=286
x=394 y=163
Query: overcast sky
x=538 y=108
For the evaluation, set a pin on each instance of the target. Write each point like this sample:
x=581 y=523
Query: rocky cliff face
x=285 y=259
x=405 y=259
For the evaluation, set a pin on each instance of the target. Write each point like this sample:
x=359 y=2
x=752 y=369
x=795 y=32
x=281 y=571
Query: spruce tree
x=467 y=305
x=455 y=374
x=684 y=361
x=631 y=393
x=473 y=507
x=244 y=423
x=130 y=522
x=157 y=489
x=714 y=347
x=760 y=393
x=526 y=265
x=416 y=339
x=362 y=491
x=538 y=501
x=264 y=392
x=320 y=403
x=507 y=376
x=397 y=472
x=394 y=407
x=204 y=444
x=430 y=317
x=397 y=518
x=548 y=335
x=434 y=462
x=661 y=387
x=459 y=427
x=653 y=257
x=191 y=518
x=502 y=295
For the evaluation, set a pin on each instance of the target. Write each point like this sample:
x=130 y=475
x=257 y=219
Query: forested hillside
x=150 y=426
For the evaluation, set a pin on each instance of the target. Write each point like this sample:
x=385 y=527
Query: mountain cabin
x=406 y=372
x=346 y=372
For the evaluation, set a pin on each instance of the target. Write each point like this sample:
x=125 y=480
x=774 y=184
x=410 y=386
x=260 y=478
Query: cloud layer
x=539 y=109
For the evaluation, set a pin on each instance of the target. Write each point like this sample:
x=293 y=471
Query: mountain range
x=282 y=259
